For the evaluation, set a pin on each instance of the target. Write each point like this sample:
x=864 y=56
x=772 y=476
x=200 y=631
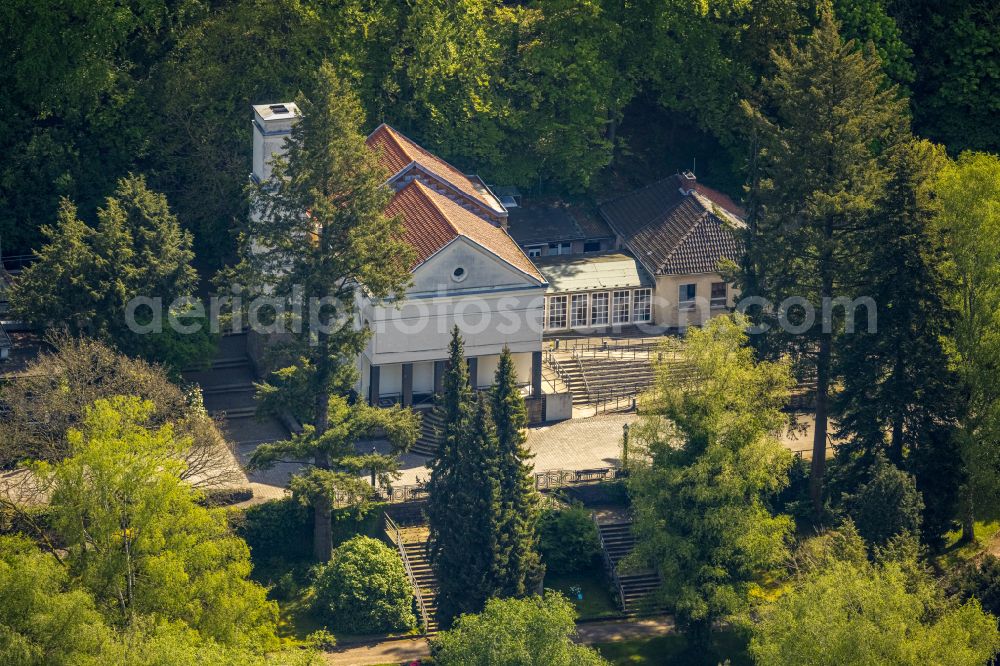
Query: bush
x=980 y=580
x=887 y=505
x=568 y=540
x=277 y=529
x=282 y=529
x=363 y=589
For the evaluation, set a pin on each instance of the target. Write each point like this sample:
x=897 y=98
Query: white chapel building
x=468 y=271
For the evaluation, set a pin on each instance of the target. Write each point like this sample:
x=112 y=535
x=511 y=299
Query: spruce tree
x=898 y=394
x=829 y=118
x=520 y=569
x=463 y=507
x=444 y=515
x=319 y=232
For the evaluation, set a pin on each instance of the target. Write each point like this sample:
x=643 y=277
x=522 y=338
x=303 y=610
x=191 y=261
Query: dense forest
x=569 y=97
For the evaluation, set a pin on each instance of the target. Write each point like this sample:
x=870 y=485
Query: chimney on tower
x=272 y=124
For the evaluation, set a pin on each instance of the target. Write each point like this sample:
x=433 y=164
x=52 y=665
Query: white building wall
x=493 y=305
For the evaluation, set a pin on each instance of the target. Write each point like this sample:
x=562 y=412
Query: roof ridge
x=683 y=239
x=425 y=193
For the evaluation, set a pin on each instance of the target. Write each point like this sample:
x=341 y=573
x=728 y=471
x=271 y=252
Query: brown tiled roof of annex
x=676 y=234
x=432 y=220
x=396 y=151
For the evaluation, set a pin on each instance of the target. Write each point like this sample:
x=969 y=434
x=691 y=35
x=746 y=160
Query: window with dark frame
x=535 y=251
x=720 y=295
x=592 y=246
x=686 y=293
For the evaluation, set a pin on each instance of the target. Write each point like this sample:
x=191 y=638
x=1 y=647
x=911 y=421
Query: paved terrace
x=580 y=443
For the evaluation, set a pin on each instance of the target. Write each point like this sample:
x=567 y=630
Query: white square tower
x=272 y=124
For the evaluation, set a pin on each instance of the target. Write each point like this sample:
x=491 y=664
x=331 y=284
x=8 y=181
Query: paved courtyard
x=579 y=443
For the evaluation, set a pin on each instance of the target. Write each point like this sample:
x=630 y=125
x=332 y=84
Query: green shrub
x=363 y=589
x=279 y=529
x=568 y=540
x=283 y=529
x=888 y=504
x=980 y=579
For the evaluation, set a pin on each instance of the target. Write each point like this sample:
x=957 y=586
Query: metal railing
x=617 y=399
x=401 y=494
x=605 y=342
x=553 y=363
x=392 y=529
x=583 y=376
x=608 y=564
x=561 y=478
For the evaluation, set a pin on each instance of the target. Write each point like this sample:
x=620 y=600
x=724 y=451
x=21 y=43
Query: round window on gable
x=459 y=274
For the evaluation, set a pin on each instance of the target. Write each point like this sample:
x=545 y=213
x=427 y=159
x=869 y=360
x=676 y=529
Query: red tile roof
x=432 y=220
x=397 y=151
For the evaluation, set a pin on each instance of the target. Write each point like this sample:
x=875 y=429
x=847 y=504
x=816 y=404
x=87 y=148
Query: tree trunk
x=818 y=467
x=322 y=529
x=968 y=521
x=322 y=517
x=896 y=443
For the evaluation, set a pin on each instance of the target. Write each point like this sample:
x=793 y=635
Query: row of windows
x=687 y=293
x=583 y=310
x=562 y=248
x=620 y=307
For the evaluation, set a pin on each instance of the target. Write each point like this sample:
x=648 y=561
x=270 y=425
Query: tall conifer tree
x=832 y=116
x=464 y=496
x=898 y=394
x=519 y=501
x=318 y=232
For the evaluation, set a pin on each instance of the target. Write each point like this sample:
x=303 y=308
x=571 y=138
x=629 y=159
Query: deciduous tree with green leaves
x=845 y=610
x=709 y=459
x=968 y=192
x=537 y=631
x=136 y=537
x=363 y=589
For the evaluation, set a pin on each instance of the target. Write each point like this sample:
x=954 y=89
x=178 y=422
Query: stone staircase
x=228 y=391
x=600 y=378
x=430 y=429
x=411 y=543
x=634 y=588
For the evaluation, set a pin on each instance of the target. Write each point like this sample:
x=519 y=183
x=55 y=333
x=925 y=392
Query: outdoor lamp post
x=374 y=453
x=624 y=446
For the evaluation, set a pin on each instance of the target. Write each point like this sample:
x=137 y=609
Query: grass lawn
x=956 y=553
x=289 y=586
x=674 y=649
x=597 y=600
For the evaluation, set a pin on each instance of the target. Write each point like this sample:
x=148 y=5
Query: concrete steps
x=430 y=433
x=229 y=394
x=413 y=542
x=637 y=587
x=424 y=578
